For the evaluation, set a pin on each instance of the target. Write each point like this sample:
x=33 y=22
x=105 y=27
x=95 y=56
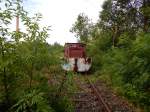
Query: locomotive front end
x=75 y=58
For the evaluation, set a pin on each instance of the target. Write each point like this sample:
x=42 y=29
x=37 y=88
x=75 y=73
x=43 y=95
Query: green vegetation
x=29 y=65
x=119 y=46
x=31 y=79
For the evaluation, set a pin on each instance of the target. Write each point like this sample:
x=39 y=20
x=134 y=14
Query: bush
x=128 y=67
x=32 y=101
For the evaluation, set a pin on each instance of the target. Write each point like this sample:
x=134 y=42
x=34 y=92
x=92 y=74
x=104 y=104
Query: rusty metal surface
x=97 y=97
x=74 y=50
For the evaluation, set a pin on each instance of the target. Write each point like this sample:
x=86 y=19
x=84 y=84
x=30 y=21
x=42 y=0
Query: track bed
x=97 y=97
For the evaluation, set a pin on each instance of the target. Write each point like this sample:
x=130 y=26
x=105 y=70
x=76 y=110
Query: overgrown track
x=95 y=98
x=96 y=91
x=90 y=100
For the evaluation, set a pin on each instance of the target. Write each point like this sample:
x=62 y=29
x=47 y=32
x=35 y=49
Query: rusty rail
x=99 y=97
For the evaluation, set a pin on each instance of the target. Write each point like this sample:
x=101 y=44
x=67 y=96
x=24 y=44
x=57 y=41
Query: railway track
x=96 y=97
x=96 y=91
x=91 y=99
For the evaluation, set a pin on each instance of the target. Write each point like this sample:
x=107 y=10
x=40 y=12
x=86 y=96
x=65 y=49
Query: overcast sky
x=61 y=14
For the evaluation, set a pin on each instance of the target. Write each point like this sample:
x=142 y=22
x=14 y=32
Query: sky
x=62 y=14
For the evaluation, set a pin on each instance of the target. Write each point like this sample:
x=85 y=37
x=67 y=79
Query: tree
x=14 y=66
x=35 y=37
x=120 y=16
x=6 y=49
x=82 y=28
x=117 y=17
x=144 y=11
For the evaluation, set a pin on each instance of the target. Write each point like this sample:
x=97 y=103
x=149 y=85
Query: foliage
x=127 y=67
x=82 y=27
x=7 y=54
x=23 y=57
x=118 y=44
x=119 y=48
x=61 y=94
x=32 y=101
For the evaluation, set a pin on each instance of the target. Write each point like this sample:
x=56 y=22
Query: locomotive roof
x=75 y=43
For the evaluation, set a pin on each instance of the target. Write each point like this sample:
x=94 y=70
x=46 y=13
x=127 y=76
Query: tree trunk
x=115 y=31
x=5 y=80
x=146 y=17
x=31 y=77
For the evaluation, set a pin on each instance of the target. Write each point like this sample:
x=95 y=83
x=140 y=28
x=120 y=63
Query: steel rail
x=97 y=93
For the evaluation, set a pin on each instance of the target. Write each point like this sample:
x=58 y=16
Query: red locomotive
x=75 y=58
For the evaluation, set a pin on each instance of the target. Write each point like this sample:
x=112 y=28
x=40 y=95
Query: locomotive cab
x=75 y=58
